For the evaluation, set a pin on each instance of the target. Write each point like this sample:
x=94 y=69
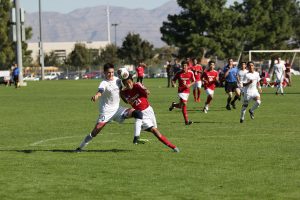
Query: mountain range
x=90 y=24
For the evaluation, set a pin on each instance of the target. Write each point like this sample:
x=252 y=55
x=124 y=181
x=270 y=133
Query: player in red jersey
x=210 y=78
x=185 y=79
x=137 y=96
x=140 y=69
x=197 y=70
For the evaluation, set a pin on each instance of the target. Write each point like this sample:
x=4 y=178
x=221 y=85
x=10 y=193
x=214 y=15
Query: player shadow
x=287 y=93
x=203 y=122
x=70 y=151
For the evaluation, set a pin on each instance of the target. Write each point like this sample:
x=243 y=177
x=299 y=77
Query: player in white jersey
x=241 y=76
x=109 y=108
x=279 y=70
x=252 y=90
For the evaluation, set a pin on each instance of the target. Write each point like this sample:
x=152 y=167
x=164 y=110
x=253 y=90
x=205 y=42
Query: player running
x=230 y=74
x=108 y=92
x=241 y=76
x=210 y=78
x=252 y=90
x=137 y=96
x=185 y=79
x=197 y=70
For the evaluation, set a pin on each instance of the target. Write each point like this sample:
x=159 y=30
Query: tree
x=27 y=59
x=109 y=54
x=6 y=46
x=268 y=24
x=135 y=50
x=51 y=59
x=203 y=28
x=207 y=27
x=79 y=56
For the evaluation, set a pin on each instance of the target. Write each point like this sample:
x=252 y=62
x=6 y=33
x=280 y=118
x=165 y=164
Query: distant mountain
x=90 y=24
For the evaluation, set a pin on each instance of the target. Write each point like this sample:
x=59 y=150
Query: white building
x=62 y=49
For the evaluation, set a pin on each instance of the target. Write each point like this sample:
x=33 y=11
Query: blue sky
x=65 y=6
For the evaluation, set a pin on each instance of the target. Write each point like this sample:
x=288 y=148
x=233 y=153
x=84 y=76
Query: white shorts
x=184 y=96
x=250 y=96
x=197 y=84
x=209 y=92
x=117 y=116
x=149 y=119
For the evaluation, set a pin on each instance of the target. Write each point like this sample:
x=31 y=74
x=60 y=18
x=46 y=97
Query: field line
x=51 y=139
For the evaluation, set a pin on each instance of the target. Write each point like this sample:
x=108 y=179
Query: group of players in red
x=192 y=76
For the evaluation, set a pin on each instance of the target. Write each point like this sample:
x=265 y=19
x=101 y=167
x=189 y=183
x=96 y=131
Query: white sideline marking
x=51 y=139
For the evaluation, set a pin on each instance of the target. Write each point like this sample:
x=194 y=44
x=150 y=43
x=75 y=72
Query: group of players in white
x=113 y=88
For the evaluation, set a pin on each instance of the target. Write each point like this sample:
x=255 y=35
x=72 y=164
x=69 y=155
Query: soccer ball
x=123 y=73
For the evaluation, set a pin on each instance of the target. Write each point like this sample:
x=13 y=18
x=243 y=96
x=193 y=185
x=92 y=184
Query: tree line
x=203 y=28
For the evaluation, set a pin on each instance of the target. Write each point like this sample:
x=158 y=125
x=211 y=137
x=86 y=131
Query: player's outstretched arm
x=96 y=97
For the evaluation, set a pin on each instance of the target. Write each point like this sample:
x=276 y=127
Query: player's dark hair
x=184 y=63
x=250 y=62
x=108 y=66
x=210 y=62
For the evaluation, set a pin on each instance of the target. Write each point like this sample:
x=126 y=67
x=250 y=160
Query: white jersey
x=279 y=71
x=241 y=76
x=251 y=88
x=110 y=95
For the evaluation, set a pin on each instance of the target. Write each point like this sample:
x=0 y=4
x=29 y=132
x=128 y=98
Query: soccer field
x=220 y=158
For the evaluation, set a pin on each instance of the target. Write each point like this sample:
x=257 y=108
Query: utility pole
x=19 y=42
x=108 y=24
x=41 y=52
x=115 y=25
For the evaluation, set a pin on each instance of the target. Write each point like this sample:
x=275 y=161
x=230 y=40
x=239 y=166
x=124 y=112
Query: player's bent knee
x=137 y=114
x=258 y=101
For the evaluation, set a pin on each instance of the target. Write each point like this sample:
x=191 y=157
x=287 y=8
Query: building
x=63 y=49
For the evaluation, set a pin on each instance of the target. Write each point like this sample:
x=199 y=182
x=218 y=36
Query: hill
x=90 y=24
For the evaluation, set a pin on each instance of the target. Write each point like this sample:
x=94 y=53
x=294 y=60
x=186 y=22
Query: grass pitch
x=220 y=158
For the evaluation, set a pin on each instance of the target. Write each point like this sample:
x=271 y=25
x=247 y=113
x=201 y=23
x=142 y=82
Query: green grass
x=219 y=159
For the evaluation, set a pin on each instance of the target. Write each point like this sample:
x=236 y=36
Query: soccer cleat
x=276 y=93
x=233 y=105
x=251 y=114
x=188 y=122
x=176 y=150
x=172 y=106
x=138 y=140
x=241 y=120
x=205 y=110
x=78 y=150
x=228 y=107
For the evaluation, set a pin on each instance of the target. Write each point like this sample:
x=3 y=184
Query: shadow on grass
x=202 y=122
x=288 y=93
x=70 y=151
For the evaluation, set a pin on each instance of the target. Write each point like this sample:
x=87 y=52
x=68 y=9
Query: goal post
x=272 y=51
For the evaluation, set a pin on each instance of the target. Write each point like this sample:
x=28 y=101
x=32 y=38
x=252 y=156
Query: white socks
x=256 y=105
x=137 y=127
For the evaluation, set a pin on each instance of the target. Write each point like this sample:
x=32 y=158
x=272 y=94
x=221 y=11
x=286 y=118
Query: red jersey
x=197 y=69
x=184 y=79
x=210 y=78
x=140 y=70
x=136 y=97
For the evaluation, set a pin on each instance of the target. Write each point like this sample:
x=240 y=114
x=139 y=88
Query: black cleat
x=228 y=107
x=78 y=150
x=241 y=120
x=172 y=106
x=251 y=114
x=188 y=122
